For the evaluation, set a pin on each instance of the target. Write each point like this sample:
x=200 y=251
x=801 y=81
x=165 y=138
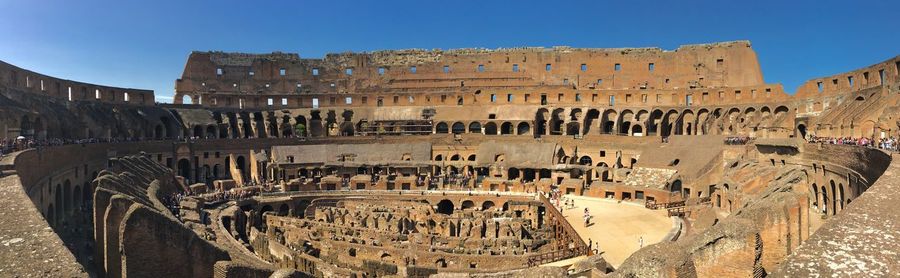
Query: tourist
x=641 y=242
x=587 y=217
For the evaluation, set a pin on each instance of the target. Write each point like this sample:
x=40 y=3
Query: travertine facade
x=418 y=163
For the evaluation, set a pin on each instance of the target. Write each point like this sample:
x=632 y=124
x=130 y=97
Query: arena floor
x=617 y=226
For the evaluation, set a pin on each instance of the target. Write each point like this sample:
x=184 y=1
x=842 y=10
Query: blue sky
x=144 y=44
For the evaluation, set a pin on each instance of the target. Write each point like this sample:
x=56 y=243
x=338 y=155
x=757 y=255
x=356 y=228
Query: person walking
x=587 y=217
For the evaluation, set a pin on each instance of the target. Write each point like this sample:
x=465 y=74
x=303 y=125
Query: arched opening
x=440 y=263
x=459 y=128
x=51 y=215
x=834 y=200
x=676 y=186
x=815 y=196
x=198 y=132
x=637 y=131
x=441 y=128
x=523 y=128
x=445 y=207
x=186 y=99
x=158 y=132
x=211 y=132
x=184 y=168
x=585 y=160
x=58 y=194
x=572 y=128
x=67 y=196
x=513 y=174
x=467 y=204
x=487 y=205
x=801 y=129
x=490 y=128
x=475 y=127
x=506 y=128
x=841 y=195
x=240 y=164
x=283 y=210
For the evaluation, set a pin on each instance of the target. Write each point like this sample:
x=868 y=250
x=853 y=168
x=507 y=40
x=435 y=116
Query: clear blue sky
x=144 y=44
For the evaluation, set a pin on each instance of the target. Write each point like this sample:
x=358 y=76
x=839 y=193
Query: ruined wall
x=216 y=79
x=68 y=90
x=136 y=234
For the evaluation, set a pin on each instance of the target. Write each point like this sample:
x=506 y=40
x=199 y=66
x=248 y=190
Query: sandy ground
x=617 y=226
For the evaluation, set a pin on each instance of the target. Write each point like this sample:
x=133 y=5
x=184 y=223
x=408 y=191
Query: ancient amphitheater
x=455 y=163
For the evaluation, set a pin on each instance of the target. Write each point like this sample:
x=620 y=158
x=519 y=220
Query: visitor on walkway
x=587 y=217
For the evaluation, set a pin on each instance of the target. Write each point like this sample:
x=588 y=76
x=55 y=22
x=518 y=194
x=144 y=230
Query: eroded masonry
x=456 y=163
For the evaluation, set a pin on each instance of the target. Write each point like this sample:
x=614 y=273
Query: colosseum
x=513 y=162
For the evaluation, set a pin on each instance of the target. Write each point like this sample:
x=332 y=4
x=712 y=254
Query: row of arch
x=487 y=128
x=662 y=122
x=66 y=199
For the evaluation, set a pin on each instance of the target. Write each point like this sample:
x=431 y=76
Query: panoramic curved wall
x=694 y=125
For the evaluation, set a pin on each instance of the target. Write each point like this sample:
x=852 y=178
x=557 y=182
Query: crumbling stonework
x=416 y=163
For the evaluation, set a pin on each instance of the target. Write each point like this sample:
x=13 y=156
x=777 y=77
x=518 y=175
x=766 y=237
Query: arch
x=439 y=157
x=512 y=173
x=842 y=199
x=471 y=157
x=198 y=131
x=58 y=194
x=523 y=128
x=211 y=132
x=51 y=215
x=67 y=196
x=540 y=122
x=609 y=121
x=585 y=160
x=589 y=118
x=506 y=128
x=440 y=263
x=487 y=205
x=815 y=195
x=283 y=210
x=184 y=168
x=240 y=164
x=216 y=172
x=824 y=204
x=556 y=121
x=467 y=204
x=834 y=200
x=637 y=130
x=490 y=128
x=455 y=157
x=475 y=127
x=158 y=132
x=624 y=122
x=676 y=186
x=441 y=128
x=801 y=130
x=347 y=129
x=458 y=128
x=573 y=128
x=87 y=192
x=445 y=207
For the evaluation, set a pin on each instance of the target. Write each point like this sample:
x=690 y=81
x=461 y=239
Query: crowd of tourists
x=887 y=143
x=23 y=143
x=738 y=140
x=173 y=203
